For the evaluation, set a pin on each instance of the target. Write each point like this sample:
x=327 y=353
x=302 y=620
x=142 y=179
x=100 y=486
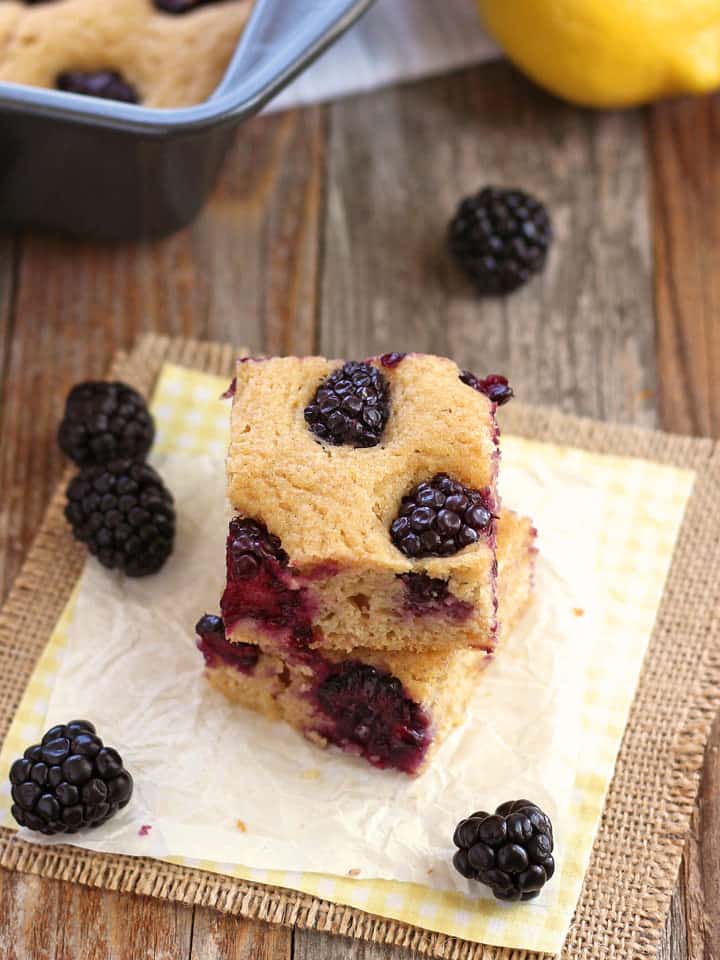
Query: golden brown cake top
x=336 y=503
x=171 y=59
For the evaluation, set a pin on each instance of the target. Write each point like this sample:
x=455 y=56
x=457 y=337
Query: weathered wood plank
x=62 y=921
x=255 y=247
x=311 y=945
x=674 y=944
x=581 y=336
x=684 y=137
x=218 y=937
x=8 y=257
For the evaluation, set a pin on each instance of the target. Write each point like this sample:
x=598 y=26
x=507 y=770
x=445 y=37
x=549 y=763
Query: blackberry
x=250 y=546
x=210 y=625
x=351 y=406
x=510 y=851
x=105 y=421
x=495 y=387
x=426 y=595
x=500 y=238
x=259 y=583
x=179 y=6
x=424 y=589
x=214 y=645
x=372 y=713
x=68 y=781
x=106 y=84
x=124 y=513
x=441 y=516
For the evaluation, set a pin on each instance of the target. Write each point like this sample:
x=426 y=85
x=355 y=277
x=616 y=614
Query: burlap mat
x=636 y=856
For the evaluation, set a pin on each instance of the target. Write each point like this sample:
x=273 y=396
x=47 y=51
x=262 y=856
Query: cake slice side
x=392 y=708
x=390 y=546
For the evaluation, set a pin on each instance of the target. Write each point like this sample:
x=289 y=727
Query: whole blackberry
x=68 y=781
x=500 y=238
x=250 y=546
x=124 y=513
x=351 y=406
x=441 y=516
x=105 y=421
x=107 y=84
x=495 y=387
x=510 y=851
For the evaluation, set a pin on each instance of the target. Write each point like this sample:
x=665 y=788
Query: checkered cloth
x=642 y=504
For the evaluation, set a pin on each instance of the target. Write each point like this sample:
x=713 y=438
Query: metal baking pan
x=115 y=170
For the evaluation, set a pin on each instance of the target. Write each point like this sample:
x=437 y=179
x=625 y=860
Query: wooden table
x=326 y=233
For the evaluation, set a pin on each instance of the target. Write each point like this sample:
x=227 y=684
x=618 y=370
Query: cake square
x=160 y=54
x=365 y=502
x=393 y=708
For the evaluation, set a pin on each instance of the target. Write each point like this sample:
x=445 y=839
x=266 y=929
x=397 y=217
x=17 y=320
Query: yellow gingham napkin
x=643 y=504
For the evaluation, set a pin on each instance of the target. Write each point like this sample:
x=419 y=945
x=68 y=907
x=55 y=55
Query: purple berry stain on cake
x=215 y=647
x=321 y=571
x=371 y=715
x=360 y=709
x=231 y=390
x=427 y=596
x=260 y=585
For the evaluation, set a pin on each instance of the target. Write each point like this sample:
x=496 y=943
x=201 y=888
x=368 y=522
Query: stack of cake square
x=370 y=568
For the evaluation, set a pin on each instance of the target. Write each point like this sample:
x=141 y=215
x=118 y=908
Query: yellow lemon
x=611 y=53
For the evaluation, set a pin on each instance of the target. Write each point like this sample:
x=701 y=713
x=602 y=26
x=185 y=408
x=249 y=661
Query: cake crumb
x=144 y=830
x=578 y=611
x=240 y=824
x=311 y=775
x=354 y=872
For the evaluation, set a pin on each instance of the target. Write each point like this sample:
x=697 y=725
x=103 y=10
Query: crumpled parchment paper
x=217 y=782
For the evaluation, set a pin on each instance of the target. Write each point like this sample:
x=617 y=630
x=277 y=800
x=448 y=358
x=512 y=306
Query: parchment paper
x=216 y=782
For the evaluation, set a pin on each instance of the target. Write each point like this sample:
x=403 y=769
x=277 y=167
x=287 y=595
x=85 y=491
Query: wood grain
x=684 y=138
x=581 y=336
x=41 y=918
x=216 y=937
x=311 y=945
x=674 y=944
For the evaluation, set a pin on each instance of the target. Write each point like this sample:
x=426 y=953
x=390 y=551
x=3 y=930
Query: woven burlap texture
x=637 y=853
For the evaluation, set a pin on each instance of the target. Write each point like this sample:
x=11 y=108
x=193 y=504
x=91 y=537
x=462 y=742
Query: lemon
x=611 y=53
